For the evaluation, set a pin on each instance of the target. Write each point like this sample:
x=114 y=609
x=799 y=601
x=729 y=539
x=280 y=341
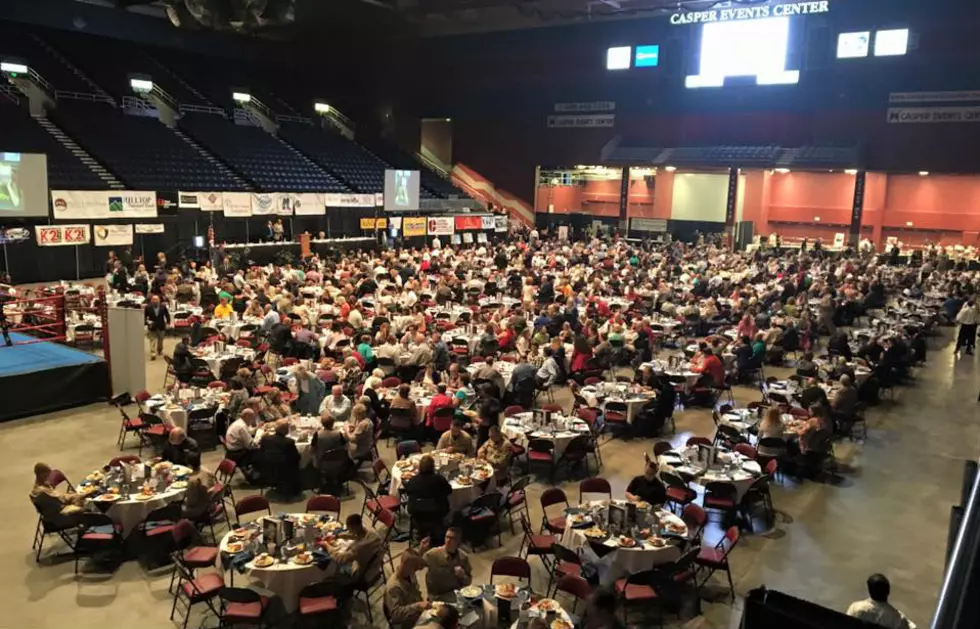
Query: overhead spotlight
x=321 y=108
x=143 y=86
x=13 y=68
x=851 y=171
x=241 y=97
x=670 y=169
x=923 y=173
x=782 y=171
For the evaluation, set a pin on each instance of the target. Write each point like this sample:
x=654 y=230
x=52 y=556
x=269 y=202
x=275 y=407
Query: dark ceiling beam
x=447 y=6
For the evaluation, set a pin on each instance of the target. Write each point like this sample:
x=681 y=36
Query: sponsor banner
x=112 y=235
x=264 y=204
x=395 y=222
x=167 y=203
x=188 y=200
x=487 y=222
x=449 y=205
x=14 y=235
x=149 y=228
x=440 y=226
x=600 y=105
x=379 y=199
x=305 y=204
x=467 y=238
x=78 y=204
x=237 y=204
x=211 y=201
x=374 y=223
x=966 y=96
x=62 y=235
x=648 y=224
x=468 y=222
x=582 y=121
x=132 y=204
x=932 y=115
x=413 y=226
x=499 y=223
x=349 y=200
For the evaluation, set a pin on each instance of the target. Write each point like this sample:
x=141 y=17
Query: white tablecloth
x=517 y=427
x=462 y=496
x=742 y=477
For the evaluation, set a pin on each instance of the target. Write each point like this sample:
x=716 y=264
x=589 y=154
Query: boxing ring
x=38 y=374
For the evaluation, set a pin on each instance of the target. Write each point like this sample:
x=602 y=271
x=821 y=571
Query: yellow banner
x=374 y=223
x=413 y=226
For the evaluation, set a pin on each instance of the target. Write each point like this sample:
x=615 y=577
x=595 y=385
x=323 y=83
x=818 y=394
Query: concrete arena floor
x=888 y=514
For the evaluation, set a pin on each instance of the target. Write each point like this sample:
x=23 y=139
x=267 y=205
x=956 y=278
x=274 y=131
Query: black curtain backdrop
x=27 y=262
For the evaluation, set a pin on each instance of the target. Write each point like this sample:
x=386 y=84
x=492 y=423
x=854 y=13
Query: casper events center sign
x=773 y=9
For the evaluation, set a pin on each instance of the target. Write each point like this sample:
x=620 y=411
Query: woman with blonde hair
x=771 y=427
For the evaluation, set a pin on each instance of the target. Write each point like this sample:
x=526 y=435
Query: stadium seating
x=826 y=156
x=140 y=150
x=262 y=158
x=725 y=155
x=110 y=63
x=21 y=133
x=18 y=42
x=347 y=160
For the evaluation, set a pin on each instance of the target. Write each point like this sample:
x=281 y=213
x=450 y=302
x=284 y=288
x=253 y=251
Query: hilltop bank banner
x=88 y=204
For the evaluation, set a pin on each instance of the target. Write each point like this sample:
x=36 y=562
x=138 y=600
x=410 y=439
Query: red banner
x=468 y=222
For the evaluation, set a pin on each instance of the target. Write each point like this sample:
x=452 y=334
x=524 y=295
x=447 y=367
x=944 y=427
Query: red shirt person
x=711 y=365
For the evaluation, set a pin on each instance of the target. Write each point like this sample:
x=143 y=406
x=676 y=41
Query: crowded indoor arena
x=530 y=314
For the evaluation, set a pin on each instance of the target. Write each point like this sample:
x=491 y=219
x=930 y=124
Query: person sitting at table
x=353 y=376
x=453 y=376
x=602 y=612
x=360 y=563
x=496 y=450
x=183 y=366
x=647 y=487
x=837 y=344
x=360 y=435
x=805 y=366
x=488 y=343
x=871 y=351
x=223 y=310
x=876 y=609
x=236 y=400
x=758 y=349
x=404 y=402
x=487 y=371
x=645 y=377
x=550 y=371
x=403 y=601
x=710 y=365
x=58 y=509
x=280 y=337
x=326 y=439
x=428 y=498
x=275 y=408
x=240 y=442
x=440 y=400
x=845 y=398
x=448 y=566
x=337 y=405
x=280 y=460
x=465 y=395
x=813 y=394
x=196 y=499
x=456 y=440
x=487 y=413
x=771 y=427
x=445 y=617
x=743 y=357
x=181 y=449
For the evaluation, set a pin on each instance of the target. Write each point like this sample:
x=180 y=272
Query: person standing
x=157 y=318
x=967 y=317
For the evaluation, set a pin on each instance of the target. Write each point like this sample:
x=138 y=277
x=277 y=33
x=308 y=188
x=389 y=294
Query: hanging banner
x=264 y=203
x=441 y=226
x=14 y=235
x=78 y=204
x=413 y=226
x=648 y=224
x=237 y=204
x=374 y=223
x=61 y=235
x=188 y=200
x=149 y=228
x=211 y=201
x=500 y=223
x=487 y=222
x=113 y=235
x=348 y=200
x=132 y=204
x=379 y=199
x=395 y=222
x=305 y=204
x=468 y=222
x=167 y=202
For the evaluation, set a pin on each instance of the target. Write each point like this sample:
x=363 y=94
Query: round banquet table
x=745 y=473
x=618 y=561
x=519 y=427
x=463 y=494
x=420 y=395
x=301 y=431
x=600 y=395
x=283 y=579
x=175 y=414
x=132 y=509
x=215 y=361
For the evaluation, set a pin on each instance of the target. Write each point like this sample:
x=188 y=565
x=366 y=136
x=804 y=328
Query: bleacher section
x=358 y=168
x=110 y=63
x=140 y=150
x=21 y=133
x=18 y=41
x=729 y=155
x=825 y=156
x=263 y=159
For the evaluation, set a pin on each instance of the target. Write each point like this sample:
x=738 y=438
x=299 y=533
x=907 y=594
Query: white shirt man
x=879 y=613
x=239 y=436
x=337 y=405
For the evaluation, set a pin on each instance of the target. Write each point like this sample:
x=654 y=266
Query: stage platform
x=44 y=377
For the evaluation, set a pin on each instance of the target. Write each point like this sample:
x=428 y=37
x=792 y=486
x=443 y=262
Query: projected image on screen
x=748 y=48
x=401 y=190
x=23 y=185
